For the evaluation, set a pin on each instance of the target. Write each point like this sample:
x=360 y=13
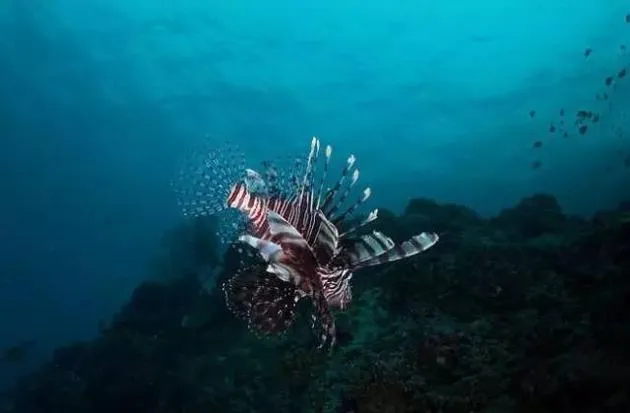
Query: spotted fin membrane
x=202 y=183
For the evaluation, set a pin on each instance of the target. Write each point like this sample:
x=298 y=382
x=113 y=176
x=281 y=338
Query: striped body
x=298 y=235
x=254 y=206
x=336 y=285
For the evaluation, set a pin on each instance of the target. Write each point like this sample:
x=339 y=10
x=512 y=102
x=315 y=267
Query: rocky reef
x=523 y=312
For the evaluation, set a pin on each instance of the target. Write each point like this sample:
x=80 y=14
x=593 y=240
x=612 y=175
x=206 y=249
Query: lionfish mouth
x=304 y=241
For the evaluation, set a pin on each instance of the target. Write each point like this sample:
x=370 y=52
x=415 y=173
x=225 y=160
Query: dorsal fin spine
x=328 y=154
x=312 y=155
x=373 y=215
x=364 y=197
x=344 y=196
x=328 y=200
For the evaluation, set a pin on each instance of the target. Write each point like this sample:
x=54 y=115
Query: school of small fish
x=585 y=119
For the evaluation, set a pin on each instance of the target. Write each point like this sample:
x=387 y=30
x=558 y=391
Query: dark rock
x=443 y=217
x=532 y=217
x=526 y=311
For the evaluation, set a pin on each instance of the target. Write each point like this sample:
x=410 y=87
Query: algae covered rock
x=526 y=311
x=532 y=217
x=441 y=217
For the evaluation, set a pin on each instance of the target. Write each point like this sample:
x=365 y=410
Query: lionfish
x=308 y=245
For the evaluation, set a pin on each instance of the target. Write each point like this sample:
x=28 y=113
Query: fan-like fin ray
x=412 y=246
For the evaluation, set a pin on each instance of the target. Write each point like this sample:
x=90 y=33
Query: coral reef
x=523 y=312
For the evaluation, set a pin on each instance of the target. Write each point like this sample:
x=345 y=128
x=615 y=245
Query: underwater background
x=486 y=106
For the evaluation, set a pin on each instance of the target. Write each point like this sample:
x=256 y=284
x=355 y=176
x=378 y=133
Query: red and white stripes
x=254 y=206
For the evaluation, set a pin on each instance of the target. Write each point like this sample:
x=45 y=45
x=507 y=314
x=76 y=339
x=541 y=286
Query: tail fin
x=205 y=179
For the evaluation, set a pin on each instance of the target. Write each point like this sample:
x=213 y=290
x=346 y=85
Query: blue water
x=100 y=99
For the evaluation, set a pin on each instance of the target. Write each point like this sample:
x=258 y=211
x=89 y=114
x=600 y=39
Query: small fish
x=561 y=112
x=622 y=47
x=584 y=114
x=621 y=74
x=537 y=144
x=609 y=80
x=595 y=118
x=536 y=164
x=587 y=52
x=552 y=128
x=565 y=135
x=583 y=129
x=532 y=113
x=628 y=18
